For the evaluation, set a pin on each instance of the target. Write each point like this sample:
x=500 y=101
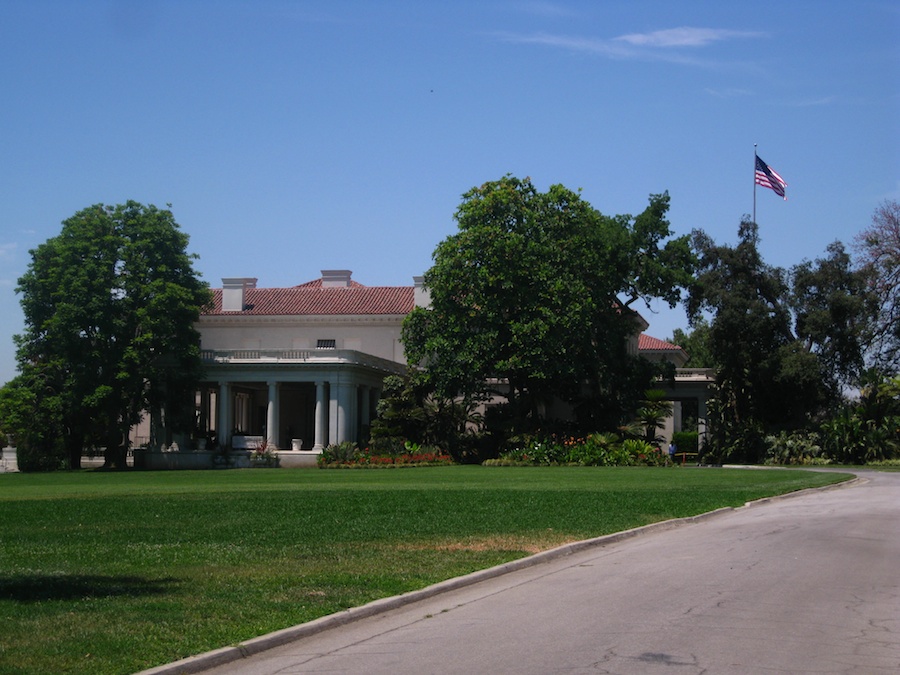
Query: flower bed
x=594 y=450
x=348 y=455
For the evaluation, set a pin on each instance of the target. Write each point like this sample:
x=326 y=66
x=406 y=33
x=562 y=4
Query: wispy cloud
x=685 y=36
x=568 y=42
x=676 y=45
x=731 y=92
x=813 y=102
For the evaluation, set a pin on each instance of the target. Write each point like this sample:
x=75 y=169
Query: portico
x=690 y=388
x=301 y=400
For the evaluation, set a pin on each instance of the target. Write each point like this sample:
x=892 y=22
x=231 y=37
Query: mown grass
x=117 y=572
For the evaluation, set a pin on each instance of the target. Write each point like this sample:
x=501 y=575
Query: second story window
x=325 y=344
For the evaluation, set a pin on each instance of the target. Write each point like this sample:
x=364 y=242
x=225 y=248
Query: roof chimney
x=421 y=295
x=234 y=293
x=336 y=278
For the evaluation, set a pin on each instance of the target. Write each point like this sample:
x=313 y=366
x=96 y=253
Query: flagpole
x=754 y=183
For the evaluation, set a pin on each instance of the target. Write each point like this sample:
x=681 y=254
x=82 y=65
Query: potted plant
x=264 y=454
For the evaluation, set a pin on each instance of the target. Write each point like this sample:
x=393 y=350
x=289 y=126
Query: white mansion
x=303 y=367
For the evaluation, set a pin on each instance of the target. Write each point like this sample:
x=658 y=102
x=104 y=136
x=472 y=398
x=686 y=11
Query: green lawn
x=117 y=572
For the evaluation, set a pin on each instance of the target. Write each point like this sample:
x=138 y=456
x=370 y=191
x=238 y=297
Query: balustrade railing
x=695 y=374
x=229 y=355
x=286 y=356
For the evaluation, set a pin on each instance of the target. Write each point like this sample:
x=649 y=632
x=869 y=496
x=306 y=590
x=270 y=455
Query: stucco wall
x=379 y=338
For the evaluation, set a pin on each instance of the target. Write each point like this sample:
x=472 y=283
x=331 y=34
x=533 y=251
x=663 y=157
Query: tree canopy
x=879 y=250
x=783 y=343
x=530 y=301
x=110 y=305
x=696 y=343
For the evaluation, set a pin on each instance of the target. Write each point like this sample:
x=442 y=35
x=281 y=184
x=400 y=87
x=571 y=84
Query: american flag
x=767 y=177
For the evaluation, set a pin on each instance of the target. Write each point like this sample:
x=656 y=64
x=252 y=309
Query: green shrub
x=505 y=462
x=338 y=453
x=588 y=454
x=595 y=450
x=603 y=449
x=600 y=449
x=886 y=464
x=389 y=446
x=852 y=438
x=686 y=441
x=40 y=454
x=634 y=451
x=348 y=455
x=799 y=448
x=535 y=450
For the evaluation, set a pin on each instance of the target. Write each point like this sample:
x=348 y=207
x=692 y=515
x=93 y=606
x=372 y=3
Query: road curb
x=225 y=655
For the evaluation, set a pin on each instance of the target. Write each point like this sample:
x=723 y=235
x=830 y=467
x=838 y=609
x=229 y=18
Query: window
x=325 y=344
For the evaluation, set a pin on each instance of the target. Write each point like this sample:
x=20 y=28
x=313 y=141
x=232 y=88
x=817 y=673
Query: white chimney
x=336 y=278
x=234 y=293
x=421 y=295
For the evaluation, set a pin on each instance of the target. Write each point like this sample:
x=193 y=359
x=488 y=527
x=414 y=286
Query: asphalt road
x=806 y=584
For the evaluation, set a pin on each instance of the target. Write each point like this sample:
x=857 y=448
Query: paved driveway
x=807 y=584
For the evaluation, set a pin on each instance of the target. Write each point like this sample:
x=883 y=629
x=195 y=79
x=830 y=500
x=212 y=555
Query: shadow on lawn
x=44 y=587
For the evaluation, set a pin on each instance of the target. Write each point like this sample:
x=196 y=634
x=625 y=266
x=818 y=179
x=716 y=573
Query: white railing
x=230 y=355
x=288 y=356
x=696 y=374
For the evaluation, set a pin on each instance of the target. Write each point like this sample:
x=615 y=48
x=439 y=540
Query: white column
x=353 y=412
x=203 y=421
x=321 y=434
x=272 y=415
x=342 y=411
x=223 y=431
x=701 y=421
x=213 y=396
x=333 y=413
x=365 y=414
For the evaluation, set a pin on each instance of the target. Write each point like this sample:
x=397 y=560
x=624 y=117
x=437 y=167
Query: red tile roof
x=311 y=299
x=647 y=343
x=317 y=283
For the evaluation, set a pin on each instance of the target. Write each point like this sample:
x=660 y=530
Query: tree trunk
x=74 y=458
x=115 y=457
x=74 y=450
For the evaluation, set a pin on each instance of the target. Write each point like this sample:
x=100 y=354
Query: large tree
x=879 y=249
x=783 y=343
x=110 y=305
x=533 y=293
x=833 y=310
x=696 y=342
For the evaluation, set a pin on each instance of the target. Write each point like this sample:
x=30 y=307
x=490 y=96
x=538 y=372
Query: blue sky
x=291 y=137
